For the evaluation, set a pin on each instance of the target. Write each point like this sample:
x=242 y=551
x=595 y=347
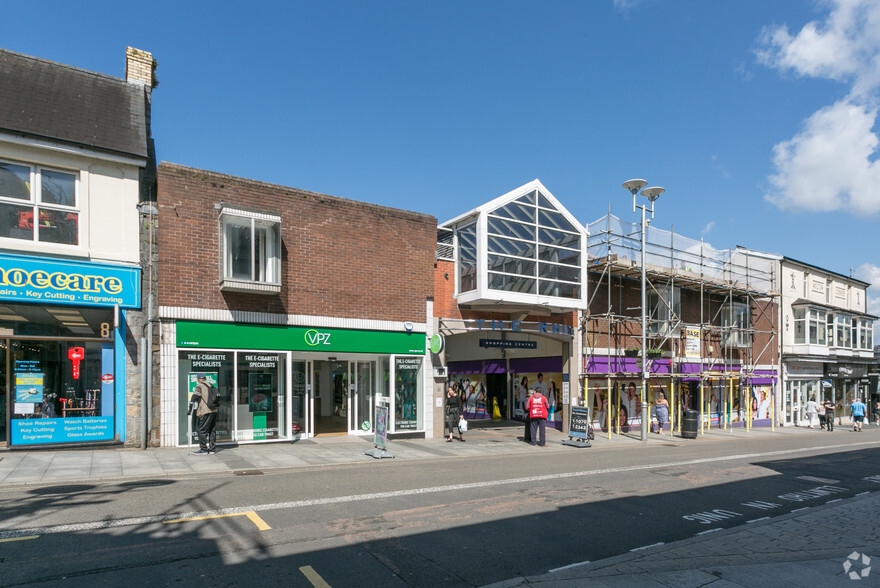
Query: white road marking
x=574 y=565
x=756 y=520
x=648 y=546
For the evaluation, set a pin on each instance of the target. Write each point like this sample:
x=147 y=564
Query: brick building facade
x=308 y=310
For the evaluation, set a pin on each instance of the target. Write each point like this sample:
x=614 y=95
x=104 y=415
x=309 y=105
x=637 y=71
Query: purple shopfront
x=498 y=388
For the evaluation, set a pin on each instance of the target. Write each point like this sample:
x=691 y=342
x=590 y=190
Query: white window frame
x=664 y=304
x=35 y=202
x=843 y=331
x=265 y=261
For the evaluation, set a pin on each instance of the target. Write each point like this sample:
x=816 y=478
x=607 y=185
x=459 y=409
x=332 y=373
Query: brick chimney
x=139 y=66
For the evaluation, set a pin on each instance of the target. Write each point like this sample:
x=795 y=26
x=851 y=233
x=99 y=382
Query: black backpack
x=213 y=399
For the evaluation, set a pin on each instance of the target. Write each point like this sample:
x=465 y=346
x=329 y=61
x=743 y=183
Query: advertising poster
x=210 y=377
x=29 y=387
x=260 y=387
x=692 y=342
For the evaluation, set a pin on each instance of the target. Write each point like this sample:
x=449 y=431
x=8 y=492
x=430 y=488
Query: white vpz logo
x=313 y=338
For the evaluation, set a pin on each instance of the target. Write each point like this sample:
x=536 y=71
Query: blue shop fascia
x=62 y=350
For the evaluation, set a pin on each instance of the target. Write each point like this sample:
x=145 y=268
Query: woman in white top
x=812 y=410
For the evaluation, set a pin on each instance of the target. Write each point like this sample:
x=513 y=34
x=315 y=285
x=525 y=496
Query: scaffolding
x=727 y=344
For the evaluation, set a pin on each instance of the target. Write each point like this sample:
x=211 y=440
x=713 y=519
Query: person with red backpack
x=538 y=409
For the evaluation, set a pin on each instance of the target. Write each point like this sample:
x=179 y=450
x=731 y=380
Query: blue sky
x=759 y=118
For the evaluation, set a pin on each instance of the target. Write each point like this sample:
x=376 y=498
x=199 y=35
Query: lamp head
x=634 y=185
x=653 y=193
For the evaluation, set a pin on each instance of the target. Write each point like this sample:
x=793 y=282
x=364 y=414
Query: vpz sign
x=315 y=338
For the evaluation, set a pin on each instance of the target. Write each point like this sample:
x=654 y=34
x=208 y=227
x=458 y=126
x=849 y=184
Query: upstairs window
x=843 y=331
x=38 y=204
x=664 y=307
x=736 y=320
x=251 y=251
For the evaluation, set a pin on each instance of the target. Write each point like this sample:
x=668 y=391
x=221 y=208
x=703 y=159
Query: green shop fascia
x=284 y=338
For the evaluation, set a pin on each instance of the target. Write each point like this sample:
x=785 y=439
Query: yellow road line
x=19 y=538
x=313 y=577
x=251 y=515
x=255 y=519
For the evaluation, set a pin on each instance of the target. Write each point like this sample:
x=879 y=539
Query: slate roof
x=47 y=100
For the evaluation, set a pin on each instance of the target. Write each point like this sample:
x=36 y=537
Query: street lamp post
x=633 y=186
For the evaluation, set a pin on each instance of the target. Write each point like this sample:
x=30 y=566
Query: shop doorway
x=497 y=395
x=343 y=396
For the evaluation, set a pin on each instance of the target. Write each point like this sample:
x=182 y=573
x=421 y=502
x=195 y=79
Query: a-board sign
x=381 y=429
x=579 y=422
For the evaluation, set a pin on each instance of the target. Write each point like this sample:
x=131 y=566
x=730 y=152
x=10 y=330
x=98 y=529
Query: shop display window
x=62 y=391
x=260 y=407
x=407 y=393
x=219 y=370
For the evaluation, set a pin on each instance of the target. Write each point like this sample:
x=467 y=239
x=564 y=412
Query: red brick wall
x=340 y=257
x=444 y=291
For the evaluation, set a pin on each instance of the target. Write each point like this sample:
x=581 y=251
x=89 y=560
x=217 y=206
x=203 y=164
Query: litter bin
x=690 y=424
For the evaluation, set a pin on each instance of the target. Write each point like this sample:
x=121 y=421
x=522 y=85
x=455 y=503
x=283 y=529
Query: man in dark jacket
x=206 y=417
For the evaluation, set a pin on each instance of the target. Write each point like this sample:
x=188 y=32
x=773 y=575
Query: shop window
x=251 y=251
x=38 y=204
x=260 y=406
x=63 y=391
x=219 y=370
x=407 y=393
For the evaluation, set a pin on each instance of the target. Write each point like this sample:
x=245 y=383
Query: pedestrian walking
x=877 y=413
x=453 y=413
x=829 y=414
x=812 y=411
x=822 y=415
x=857 y=410
x=538 y=410
x=661 y=411
x=207 y=399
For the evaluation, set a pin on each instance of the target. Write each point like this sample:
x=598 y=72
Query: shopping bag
x=462 y=425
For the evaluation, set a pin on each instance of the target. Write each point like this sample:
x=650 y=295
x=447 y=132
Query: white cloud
x=828 y=165
x=708 y=228
x=832 y=163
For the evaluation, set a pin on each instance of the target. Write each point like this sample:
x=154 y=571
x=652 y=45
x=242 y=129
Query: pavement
x=834 y=544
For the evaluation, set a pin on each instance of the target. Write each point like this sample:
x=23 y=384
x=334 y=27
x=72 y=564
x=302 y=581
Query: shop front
x=495 y=363
x=62 y=350
x=803 y=380
x=844 y=383
x=282 y=383
x=614 y=394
